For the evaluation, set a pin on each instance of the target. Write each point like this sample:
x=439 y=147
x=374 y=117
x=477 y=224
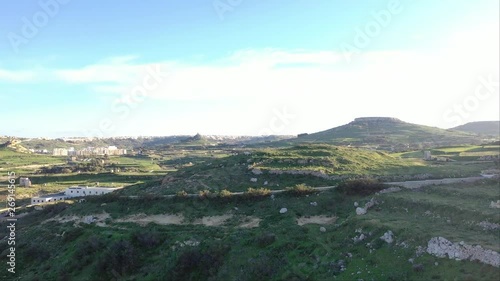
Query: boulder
x=256 y=171
x=283 y=210
x=495 y=205
x=360 y=211
x=388 y=237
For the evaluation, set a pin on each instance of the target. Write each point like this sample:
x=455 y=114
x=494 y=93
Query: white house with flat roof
x=80 y=191
x=48 y=198
x=71 y=192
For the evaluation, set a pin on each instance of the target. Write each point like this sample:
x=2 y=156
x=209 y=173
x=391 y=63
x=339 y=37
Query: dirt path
x=316 y=220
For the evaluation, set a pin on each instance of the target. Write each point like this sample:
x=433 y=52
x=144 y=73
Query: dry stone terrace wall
x=441 y=247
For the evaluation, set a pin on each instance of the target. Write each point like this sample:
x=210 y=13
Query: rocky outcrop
x=441 y=247
x=363 y=210
x=495 y=205
x=489 y=226
x=388 y=237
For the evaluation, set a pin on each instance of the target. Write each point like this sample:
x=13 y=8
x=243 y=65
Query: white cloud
x=320 y=87
x=16 y=76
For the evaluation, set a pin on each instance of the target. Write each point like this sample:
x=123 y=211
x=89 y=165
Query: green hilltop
x=388 y=134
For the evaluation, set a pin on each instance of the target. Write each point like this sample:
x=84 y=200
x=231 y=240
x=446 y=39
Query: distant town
x=88 y=151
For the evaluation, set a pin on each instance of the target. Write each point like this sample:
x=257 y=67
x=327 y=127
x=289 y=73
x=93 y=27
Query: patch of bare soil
x=97 y=218
x=143 y=219
x=250 y=222
x=316 y=220
x=213 y=221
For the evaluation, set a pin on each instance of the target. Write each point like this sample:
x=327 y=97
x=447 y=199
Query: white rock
x=356 y=204
x=253 y=179
x=256 y=172
x=495 y=205
x=283 y=210
x=441 y=247
x=388 y=237
x=360 y=211
x=314 y=204
x=322 y=229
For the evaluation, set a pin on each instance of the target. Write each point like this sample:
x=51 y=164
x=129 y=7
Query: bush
x=257 y=192
x=197 y=263
x=146 y=239
x=360 y=187
x=265 y=239
x=181 y=194
x=121 y=258
x=225 y=193
x=300 y=189
x=204 y=194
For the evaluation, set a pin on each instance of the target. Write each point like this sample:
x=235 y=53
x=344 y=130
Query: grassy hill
x=490 y=128
x=313 y=164
x=388 y=134
x=318 y=165
x=237 y=238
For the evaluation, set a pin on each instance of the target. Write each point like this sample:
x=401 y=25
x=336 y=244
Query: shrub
x=197 y=263
x=360 y=187
x=258 y=192
x=225 y=193
x=120 y=257
x=204 y=194
x=265 y=239
x=181 y=193
x=300 y=189
x=146 y=239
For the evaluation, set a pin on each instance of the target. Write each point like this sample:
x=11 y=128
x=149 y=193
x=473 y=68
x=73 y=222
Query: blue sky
x=108 y=68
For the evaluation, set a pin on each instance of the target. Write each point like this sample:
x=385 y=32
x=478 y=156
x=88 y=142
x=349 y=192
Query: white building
x=79 y=191
x=71 y=192
x=25 y=182
x=48 y=198
x=60 y=152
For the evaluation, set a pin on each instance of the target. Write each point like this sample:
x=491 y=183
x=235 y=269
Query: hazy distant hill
x=491 y=128
x=388 y=133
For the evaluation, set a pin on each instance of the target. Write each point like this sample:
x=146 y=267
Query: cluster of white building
x=72 y=192
x=89 y=151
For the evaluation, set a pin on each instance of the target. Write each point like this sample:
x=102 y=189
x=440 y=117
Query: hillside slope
x=314 y=164
x=490 y=128
x=388 y=134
